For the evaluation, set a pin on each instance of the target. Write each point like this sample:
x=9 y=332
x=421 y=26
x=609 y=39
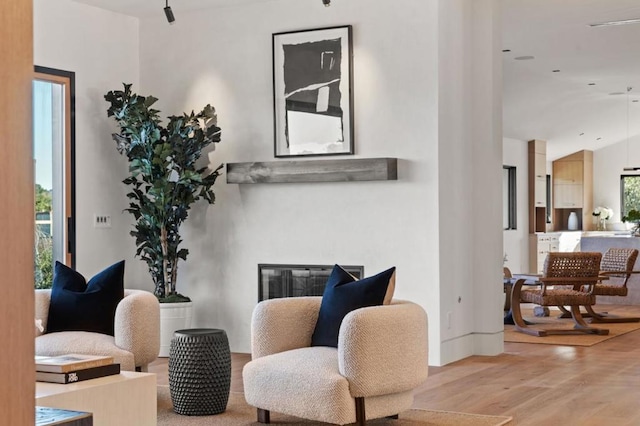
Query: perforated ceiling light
x=169 y=13
x=327 y=3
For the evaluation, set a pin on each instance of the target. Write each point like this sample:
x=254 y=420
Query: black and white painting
x=313 y=104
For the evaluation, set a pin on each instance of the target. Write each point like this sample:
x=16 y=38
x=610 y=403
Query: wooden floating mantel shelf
x=345 y=170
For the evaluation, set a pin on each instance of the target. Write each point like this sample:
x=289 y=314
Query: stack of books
x=73 y=368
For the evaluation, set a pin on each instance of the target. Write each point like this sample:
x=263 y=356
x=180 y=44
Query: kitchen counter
x=602 y=243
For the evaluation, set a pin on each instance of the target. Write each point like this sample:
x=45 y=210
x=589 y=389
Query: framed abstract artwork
x=312 y=92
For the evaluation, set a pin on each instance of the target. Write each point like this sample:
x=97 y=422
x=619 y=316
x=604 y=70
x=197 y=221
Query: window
x=548 y=198
x=509 y=197
x=53 y=159
x=629 y=193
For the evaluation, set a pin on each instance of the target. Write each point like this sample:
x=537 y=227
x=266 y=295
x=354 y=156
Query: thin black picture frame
x=313 y=92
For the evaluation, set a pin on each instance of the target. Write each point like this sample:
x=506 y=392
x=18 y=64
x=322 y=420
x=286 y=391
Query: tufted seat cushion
x=304 y=382
x=83 y=342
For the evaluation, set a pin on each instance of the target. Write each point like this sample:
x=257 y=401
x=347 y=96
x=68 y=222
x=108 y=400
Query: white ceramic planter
x=173 y=316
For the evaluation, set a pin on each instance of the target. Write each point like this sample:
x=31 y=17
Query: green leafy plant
x=164 y=178
x=633 y=216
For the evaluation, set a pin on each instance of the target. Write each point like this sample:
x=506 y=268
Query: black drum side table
x=199 y=371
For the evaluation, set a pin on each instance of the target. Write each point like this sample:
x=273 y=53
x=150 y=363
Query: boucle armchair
x=381 y=357
x=135 y=344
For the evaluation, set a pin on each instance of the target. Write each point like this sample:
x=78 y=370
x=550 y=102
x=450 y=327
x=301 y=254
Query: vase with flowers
x=602 y=214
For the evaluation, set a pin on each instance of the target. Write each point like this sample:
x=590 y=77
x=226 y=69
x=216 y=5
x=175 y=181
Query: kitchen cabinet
x=537 y=186
x=540 y=245
x=573 y=190
x=567 y=196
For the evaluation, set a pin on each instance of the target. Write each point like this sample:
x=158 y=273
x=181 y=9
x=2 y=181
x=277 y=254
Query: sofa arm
x=43 y=298
x=384 y=349
x=137 y=326
x=279 y=325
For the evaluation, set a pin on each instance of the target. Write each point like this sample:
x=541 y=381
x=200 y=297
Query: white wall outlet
x=101 y=221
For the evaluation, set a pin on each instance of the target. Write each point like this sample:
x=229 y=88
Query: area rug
x=552 y=321
x=239 y=413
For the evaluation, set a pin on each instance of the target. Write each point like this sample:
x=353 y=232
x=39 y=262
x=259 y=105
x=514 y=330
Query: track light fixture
x=169 y=12
x=327 y=3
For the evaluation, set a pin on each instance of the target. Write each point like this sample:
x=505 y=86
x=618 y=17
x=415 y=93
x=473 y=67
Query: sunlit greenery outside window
x=44 y=241
x=629 y=193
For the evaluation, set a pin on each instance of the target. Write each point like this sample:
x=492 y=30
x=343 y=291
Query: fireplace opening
x=275 y=281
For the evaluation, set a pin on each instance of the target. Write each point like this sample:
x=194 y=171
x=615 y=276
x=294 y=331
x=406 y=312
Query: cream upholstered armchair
x=380 y=359
x=135 y=344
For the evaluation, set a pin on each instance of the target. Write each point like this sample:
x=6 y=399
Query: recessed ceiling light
x=523 y=58
x=635 y=100
x=616 y=93
x=592 y=84
x=555 y=71
x=598 y=139
x=581 y=134
x=613 y=23
x=506 y=50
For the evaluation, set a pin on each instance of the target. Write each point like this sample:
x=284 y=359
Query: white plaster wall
x=608 y=165
x=470 y=170
x=224 y=57
x=516 y=241
x=102 y=49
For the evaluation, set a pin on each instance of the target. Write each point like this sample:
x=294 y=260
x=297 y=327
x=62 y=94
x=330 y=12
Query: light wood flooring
x=536 y=384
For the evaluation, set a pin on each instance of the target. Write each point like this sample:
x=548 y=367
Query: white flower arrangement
x=603 y=213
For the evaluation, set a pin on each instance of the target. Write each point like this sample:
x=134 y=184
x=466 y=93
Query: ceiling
x=149 y=8
x=559 y=107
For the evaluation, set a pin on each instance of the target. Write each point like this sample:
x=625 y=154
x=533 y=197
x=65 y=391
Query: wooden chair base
x=597 y=317
x=580 y=327
x=603 y=318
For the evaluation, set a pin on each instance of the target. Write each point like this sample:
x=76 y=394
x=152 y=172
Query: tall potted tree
x=165 y=182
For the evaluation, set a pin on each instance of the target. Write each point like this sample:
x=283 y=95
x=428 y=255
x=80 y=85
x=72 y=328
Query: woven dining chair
x=568 y=279
x=617 y=264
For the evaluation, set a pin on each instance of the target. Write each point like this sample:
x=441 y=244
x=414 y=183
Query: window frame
x=622 y=177
x=512 y=201
x=67 y=79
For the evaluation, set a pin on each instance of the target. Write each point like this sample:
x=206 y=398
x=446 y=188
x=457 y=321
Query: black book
x=78 y=375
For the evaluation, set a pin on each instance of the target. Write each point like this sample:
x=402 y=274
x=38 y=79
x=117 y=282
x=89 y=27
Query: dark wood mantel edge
x=303 y=171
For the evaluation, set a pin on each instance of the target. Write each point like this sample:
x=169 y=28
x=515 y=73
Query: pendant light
x=629 y=168
x=169 y=13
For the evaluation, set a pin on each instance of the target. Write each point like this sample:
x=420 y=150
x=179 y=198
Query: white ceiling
x=557 y=107
x=538 y=103
x=148 y=8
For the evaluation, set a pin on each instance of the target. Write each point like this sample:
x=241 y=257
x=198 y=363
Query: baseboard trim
x=487 y=344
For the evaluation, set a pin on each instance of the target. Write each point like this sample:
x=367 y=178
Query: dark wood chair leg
x=264 y=416
x=361 y=418
x=519 y=322
x=564 y=312
x=581 y=325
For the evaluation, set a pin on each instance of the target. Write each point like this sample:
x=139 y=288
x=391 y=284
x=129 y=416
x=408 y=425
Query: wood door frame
x=67 y=79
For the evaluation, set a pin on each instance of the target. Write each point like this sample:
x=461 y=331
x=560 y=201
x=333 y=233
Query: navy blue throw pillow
x=80 y=306
x=343 y=294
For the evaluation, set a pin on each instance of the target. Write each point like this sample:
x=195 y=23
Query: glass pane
x=505 y=198
x=630 y=194
x=48 y=151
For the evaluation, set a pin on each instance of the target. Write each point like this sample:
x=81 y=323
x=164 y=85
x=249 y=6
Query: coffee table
x=126 y=399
